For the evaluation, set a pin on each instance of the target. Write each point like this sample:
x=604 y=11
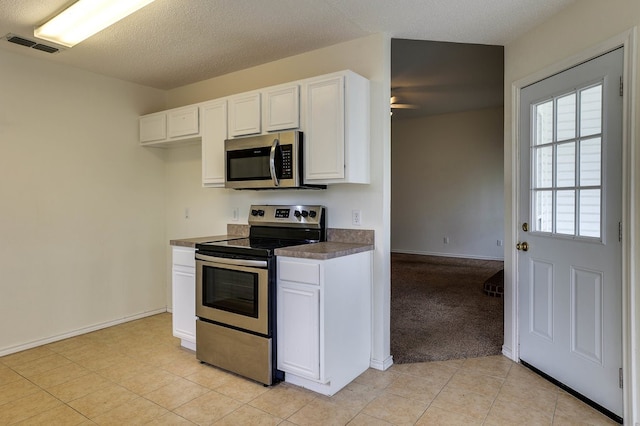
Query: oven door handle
x=235 y=262
x=272 y=162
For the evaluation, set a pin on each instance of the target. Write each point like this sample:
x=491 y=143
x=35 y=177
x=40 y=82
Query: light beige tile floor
x=137 y=373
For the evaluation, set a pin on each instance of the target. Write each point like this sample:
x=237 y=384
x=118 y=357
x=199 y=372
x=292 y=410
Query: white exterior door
x=570 y=209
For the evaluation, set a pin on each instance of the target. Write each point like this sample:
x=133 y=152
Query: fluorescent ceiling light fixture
x=84 y=18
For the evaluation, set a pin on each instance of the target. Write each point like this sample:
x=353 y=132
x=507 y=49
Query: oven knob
x=254 y=212
x=305 y=213
x=260 y=213
x=297 y=213
x=312 y=214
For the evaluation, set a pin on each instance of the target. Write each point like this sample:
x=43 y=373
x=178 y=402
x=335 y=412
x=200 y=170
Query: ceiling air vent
x=23 y=41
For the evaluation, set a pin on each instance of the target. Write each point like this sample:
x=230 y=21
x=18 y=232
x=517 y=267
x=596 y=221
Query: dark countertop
x=323 y=251
x=191 y=242
x=341 y=242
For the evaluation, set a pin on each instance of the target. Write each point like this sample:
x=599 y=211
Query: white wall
x=82 y=234
x=447 y=181
x=211 y=208
x=577 y=29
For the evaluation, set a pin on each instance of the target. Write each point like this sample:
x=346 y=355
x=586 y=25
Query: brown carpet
x=439 y=310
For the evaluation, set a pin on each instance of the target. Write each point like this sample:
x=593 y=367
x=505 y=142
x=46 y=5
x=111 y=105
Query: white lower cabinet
x=183 y=283
x=324 y=320
x=299 y=329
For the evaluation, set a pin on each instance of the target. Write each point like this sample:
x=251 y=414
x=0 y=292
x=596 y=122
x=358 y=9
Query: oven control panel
x=294 y=215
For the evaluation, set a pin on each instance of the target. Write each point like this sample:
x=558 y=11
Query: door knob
x=524 y=246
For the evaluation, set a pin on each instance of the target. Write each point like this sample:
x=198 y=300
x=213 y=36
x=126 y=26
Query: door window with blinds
x=566 y=160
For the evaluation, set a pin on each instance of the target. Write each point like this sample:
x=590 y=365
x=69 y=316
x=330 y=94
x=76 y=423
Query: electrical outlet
x=499 y=243
x=236 y=214
x=186 y=213
x=356 y=217
x=445 y=240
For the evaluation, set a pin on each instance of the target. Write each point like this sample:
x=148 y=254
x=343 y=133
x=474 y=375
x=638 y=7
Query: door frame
x=630 y=208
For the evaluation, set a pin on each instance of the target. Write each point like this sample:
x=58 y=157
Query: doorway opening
x=447 y=199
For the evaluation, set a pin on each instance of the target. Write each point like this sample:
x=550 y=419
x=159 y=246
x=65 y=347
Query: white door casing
x=570 y=279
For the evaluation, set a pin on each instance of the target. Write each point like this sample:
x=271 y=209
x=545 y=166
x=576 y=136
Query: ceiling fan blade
x=404 y=106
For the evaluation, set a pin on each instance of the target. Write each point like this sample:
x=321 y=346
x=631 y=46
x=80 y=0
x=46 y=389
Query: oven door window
x=230 y=290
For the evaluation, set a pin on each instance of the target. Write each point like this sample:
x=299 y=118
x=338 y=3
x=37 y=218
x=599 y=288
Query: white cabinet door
x=299 y=329
x=153 y=127
x=184 y=305
x=324 y=132
x=183 y=122
x=336 y=128
x=214 y=133
x=244 y=114
x=282 y=108
x=170 y=128
x=183 y=283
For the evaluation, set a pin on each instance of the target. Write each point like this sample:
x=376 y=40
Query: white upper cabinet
x=183 y=122
x=244 y=114
x=214 y=132
x=336 y=129
x=170 y=128
x=281 y=108
x=153 y=127
x=331 y=110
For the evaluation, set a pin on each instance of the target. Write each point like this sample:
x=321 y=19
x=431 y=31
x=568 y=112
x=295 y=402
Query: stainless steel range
x=236 y=290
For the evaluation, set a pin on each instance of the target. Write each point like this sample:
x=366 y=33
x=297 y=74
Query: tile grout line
x=48 y=393
x=495 y=398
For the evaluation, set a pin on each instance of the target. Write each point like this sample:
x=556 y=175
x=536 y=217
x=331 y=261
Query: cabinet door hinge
x=621 y=86
x=620 y=379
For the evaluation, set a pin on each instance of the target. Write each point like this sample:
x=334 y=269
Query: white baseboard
x=381 y=365
x=78 y=332
x=456 y=255
x=508 y=353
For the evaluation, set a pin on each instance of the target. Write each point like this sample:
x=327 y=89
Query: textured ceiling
x=175 y=42
x=170 y=43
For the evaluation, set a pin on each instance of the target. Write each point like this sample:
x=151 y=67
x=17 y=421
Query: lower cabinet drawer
x=184 y=256
x=299 y=271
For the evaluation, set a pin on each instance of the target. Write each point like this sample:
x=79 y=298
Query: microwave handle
x=272 y=162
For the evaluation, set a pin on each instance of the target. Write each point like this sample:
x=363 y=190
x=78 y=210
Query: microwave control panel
x=287 y=162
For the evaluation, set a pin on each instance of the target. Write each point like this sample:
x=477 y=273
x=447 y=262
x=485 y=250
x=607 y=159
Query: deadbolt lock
x=524 y=246
x=525 y=227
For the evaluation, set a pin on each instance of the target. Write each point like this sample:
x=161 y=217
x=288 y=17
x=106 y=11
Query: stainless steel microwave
x=273 y=161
